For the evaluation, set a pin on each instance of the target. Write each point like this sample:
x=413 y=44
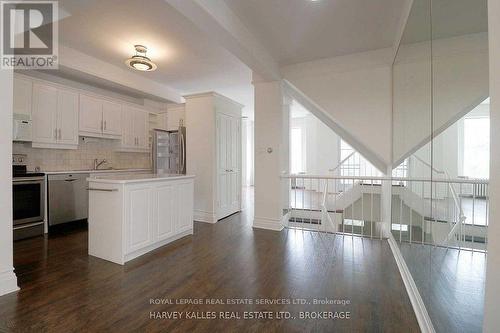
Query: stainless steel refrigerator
x=169 y=151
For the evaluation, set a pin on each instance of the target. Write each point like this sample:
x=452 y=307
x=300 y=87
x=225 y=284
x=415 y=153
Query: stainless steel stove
x=28 y=198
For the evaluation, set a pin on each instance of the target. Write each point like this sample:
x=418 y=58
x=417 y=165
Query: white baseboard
x=203 y=216
x=268 y=224
x=8 y=282
x=424 y=321
x=152 y=247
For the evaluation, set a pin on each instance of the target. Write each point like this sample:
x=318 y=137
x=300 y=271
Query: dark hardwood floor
x=451 y=283
x=65 y=290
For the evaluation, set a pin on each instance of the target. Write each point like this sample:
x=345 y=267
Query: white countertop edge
x=94 y=171
x=138 y=180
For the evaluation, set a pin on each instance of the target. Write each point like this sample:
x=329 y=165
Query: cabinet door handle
x=105 y=124
x=55 y=133
x=60 y=134
x=103 y=189
x=102 y=125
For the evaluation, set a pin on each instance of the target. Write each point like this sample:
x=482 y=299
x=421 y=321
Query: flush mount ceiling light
x=139 y=61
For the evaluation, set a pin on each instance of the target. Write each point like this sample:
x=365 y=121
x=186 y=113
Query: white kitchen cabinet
x=112 y=118
x=134 y=129
x=130 y=216
x=55 y=117
x=23 y=92
x=141 y=129
x=90 y=115
x=166 y=201
x=67 y=117
x=214 y=154
x=175 y=116
x=100 y=117
x=128 y=138
x=44 y=114
x=139 y=210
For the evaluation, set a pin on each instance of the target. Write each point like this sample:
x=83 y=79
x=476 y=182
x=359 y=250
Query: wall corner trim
x=203 y=216
x=267 y=224
x=8 y=282
x=424 y=321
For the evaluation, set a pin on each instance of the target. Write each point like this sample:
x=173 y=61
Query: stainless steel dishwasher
x=68 y=198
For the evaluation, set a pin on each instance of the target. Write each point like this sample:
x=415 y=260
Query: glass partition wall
x=441 y=135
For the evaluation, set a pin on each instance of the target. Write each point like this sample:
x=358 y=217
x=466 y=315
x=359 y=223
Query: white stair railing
x=456 y=226
x=323 y=208
x=317 y=205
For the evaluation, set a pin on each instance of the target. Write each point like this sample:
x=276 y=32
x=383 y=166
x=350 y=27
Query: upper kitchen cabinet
x=55 y=117
x=100 y=117
x=112 y=118
x=23 y=92
x=176 y=114
x=134 y=129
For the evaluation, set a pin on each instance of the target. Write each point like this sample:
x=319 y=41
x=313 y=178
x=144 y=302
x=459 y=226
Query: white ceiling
x=303 y=30
x=186 y=59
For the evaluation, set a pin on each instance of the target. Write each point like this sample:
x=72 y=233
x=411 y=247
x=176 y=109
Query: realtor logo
x=29 y=34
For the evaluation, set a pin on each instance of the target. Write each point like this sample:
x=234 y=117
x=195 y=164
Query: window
x=296 y=150
x=476 y=158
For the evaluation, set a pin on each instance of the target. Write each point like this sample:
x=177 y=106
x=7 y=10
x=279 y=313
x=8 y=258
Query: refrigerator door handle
x=183 y=152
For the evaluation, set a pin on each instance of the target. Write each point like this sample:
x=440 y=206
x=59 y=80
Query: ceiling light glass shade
x=139 y=61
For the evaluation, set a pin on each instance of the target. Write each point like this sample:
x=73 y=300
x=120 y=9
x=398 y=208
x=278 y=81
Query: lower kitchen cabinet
x=127 y=220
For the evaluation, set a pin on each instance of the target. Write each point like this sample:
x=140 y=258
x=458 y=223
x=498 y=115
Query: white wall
x=200 y=154
x=271 y=154
x=356 y=93
x=8 y=280
x=320 y=145
x=247 y=152
x=491 y=321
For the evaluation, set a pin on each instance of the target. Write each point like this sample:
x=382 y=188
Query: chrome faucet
x=98 y=163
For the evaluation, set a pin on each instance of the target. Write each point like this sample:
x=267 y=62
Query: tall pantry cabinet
x=213 y=128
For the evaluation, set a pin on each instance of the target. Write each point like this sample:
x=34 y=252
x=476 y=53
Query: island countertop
x=136 y=178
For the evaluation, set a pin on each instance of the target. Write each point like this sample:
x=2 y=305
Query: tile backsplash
x=83 y=157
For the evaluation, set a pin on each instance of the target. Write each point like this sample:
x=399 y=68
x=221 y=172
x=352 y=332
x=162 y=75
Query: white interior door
x=228 y=165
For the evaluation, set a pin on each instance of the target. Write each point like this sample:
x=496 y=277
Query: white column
x=386 y=204
x=491 y=321
x=271 y=154
x=8 y=280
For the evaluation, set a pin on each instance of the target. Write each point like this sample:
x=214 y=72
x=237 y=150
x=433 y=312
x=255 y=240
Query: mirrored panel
x=441 y=154
x=412 y=123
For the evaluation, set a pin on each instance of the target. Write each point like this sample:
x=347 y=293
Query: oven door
x=28 y=199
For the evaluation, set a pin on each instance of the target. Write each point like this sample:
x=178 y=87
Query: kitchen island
x=132 y=214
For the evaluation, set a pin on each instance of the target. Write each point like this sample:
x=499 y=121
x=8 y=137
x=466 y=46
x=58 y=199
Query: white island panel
x=131 y=215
